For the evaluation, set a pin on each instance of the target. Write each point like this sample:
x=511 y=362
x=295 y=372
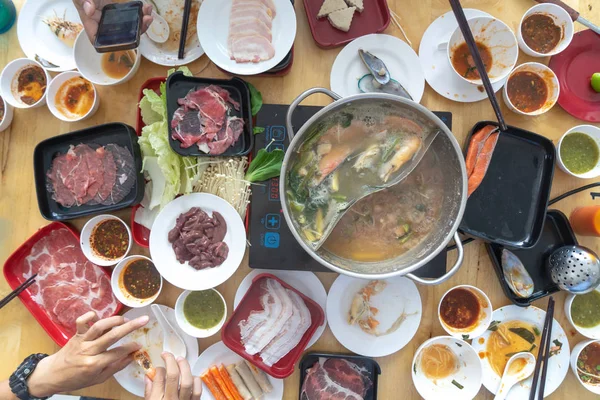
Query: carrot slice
x=483 y=162
x=229 y=383
x=211 y=384
x=476 y=145
x=214 y=372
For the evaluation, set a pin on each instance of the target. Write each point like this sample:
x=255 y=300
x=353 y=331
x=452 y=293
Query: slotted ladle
x=397 y=177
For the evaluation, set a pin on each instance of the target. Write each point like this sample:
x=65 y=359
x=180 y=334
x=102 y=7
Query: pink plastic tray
x=57 y=332
x=251 y=302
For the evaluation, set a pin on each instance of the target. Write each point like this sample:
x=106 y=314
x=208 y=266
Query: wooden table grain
x=21 y=335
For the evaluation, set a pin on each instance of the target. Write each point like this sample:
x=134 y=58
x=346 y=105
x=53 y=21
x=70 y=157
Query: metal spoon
x=519 y=367
x=398 y=176
x=159 y=30
x=382 y=81
x=172 y=342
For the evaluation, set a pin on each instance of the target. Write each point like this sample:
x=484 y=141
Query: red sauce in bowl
x=527 y=91
x=540 y=33
x=460 y=308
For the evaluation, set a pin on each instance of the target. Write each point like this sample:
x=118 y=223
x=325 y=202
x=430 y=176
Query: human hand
x=174 y=383
x=85 y=360
x=90 y=12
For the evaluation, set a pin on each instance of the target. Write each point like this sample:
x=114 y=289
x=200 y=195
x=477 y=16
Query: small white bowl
x=54 y=87
x=485 y=315
x=119 y=290
x=549 y=78
x=498 y=37
x=8 y=115
x=9 y=74
x=592 y=333
x=469 y=373
x=86 y=233
x=574 y=356
x=594 y=133
x=561 y=18
x=89 y=63
x=189 y=328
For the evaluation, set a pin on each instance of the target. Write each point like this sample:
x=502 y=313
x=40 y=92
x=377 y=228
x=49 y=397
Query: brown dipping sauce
x=540 y=33
x=460 y=308
x=75 y=97
x=463 y=62
x=110 y=239
x=31 y=84
x=141 y=279
x=117 y=64
x=527 y=91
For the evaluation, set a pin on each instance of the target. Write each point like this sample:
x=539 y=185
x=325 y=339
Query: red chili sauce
x=110 y=239
x=540 y=33
x=460 y=308
x=141 y=279
x=527 y=91
x=463 y=62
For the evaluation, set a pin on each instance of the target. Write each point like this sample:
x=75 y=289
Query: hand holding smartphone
x=120 y=27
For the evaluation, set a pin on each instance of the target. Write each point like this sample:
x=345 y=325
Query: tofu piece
x=330 y=6
x=342 y=19
x=356 y=3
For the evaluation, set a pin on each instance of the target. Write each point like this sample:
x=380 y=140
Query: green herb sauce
x=585 y=310
x=579 y=152
x=203 y=309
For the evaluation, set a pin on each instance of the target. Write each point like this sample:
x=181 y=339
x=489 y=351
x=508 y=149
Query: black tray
x=179 y=85
x=510 y=205
x=310 y=359
x=117 y=133
x=557 y=233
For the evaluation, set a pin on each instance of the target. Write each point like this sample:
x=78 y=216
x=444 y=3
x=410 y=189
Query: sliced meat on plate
x=252 y=49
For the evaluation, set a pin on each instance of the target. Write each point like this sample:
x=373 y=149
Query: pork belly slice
x=268 y=3
x=252 y=49
x=239 y=14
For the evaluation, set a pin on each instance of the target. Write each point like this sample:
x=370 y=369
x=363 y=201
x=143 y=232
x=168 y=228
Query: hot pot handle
x=448 y=275
x=300 y=99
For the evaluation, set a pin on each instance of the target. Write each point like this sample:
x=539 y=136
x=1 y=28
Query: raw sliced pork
x=335 y=379
x=278 y=328
x=202 y=119
x=67 y=285
x=250 y=37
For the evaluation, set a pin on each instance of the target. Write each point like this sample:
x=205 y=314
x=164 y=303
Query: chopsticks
x=184 y=27
x=466 y=31
x=543 y=354
x=18 y=291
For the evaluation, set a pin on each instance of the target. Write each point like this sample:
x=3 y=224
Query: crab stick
x=238 y=382
x=214 y=372
x=211 y=384
x=229 y=383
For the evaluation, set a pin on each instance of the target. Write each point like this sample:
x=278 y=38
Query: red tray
x=251 y=302
x=374 y=19
x=574 y=68
x=55 y=331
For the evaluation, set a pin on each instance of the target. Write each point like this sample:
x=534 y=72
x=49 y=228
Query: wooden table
x=21 y=335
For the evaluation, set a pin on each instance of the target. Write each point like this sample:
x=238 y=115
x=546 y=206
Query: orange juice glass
x=586 y=220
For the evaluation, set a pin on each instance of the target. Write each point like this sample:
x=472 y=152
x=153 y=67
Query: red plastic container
x=374 y=19
x=57 y=332
x=251 y=302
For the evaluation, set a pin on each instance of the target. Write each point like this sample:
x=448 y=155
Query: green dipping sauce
x=203 y=309
x=585 y=310
x=579 y=152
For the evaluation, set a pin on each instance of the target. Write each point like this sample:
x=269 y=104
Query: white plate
x=438 y=71
x=218 y=354
x=468 y=373
x=400 y=294
x=166 y=53
x=182 y=275
x=558 y=365
x=35 y=37
x=132 y=377
x=399 y=58
x=304 y=281
x=213 y=30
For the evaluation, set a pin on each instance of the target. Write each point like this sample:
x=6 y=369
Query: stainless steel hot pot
x=455 y=188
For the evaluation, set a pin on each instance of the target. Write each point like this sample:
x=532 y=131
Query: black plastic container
x=179 y=85
x=372 y=366
x=101 y=135
x=509 y=207
x=557 y=232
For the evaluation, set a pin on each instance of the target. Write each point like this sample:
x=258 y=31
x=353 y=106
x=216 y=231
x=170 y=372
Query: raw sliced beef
x=335 y=379
x=227 y=136
x=86 y=175
x=67 y=285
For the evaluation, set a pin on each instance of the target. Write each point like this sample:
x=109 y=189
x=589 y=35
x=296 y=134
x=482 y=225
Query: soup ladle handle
x=300 y=99
x=447 y=275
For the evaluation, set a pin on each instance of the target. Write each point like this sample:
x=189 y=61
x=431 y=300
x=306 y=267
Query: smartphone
x=119 y=27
